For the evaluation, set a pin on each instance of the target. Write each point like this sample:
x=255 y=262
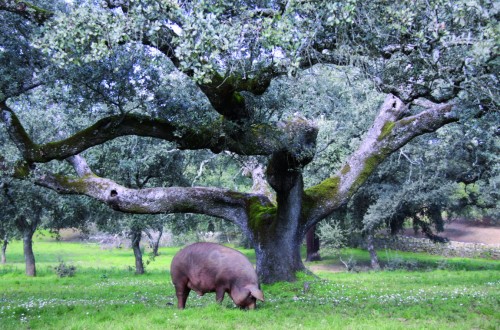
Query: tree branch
x=215 y=202
x=259 y=139
x=26 y=10
x=390 y=131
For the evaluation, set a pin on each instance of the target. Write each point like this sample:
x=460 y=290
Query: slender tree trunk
x=156 y=246
x=312 y=245
x=154 y=241
x=136 y=240
x=4 y=249
x=373 y=254
x=29 y=257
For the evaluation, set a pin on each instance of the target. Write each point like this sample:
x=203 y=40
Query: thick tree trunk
x=29 y=257
x=312 y=245
x=278 y=239
x=373 y=254
x=278 y=259
x=4 y=250
x=136 y=240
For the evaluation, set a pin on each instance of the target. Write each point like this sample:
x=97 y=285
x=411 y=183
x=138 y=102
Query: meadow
x=421 y=292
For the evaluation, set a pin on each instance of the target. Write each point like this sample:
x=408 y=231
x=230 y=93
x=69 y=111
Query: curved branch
x=215 y=202
x=259 y=139
x=389 y=133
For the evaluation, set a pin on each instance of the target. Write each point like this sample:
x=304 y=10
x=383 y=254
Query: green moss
x=238 y=98
x=346 y=169
x=37 y=9
x=22 y=170
x=327 y=189
x=386 y=130
x=138 y=209
x=260 y=216
x=80 y=185
x=370 y=164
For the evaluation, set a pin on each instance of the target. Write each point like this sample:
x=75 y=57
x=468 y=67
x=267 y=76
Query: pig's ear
x=256 y=292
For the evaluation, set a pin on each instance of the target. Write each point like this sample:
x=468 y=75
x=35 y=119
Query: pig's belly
x=201 y=286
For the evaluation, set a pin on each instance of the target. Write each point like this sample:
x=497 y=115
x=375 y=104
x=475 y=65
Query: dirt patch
x=327 y=267
x=462 y=232
x=71 y=235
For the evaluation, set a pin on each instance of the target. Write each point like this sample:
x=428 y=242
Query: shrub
x=63 y=270
x=398 y=263
x=332 y=237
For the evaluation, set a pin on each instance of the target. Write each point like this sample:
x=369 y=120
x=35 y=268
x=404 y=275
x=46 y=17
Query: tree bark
x=4 y=250
x=312 y=245
x=373 y=254
x=278 y=238
x=29 y=256
x=27 y=230
x=278 y=259
x=135 y=236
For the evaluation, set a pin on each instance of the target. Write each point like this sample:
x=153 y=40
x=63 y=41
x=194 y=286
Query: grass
x=105 y=293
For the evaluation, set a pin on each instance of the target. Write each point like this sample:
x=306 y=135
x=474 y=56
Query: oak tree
x=120 y=61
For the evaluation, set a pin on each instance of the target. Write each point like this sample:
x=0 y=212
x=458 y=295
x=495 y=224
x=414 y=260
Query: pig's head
x=247 y=296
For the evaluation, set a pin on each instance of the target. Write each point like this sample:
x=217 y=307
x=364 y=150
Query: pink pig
x=209 y=267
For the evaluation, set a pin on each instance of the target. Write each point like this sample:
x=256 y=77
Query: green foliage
x=89 y=37
x=332 y=237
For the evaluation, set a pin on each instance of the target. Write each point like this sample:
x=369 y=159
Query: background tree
x=26 y=207
x=196 y=74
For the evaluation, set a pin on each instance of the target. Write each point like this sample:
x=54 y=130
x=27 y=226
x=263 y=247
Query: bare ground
x=463 y=232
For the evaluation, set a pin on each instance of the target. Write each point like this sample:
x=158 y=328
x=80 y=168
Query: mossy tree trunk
x=278 y=257
x=279 y=234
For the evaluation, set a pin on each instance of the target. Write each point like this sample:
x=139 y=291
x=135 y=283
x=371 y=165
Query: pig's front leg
x=219 y=294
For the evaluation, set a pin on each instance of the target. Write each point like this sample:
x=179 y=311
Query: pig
x=210 y=267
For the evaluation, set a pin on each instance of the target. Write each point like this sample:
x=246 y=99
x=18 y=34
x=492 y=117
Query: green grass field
x=106 y=294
